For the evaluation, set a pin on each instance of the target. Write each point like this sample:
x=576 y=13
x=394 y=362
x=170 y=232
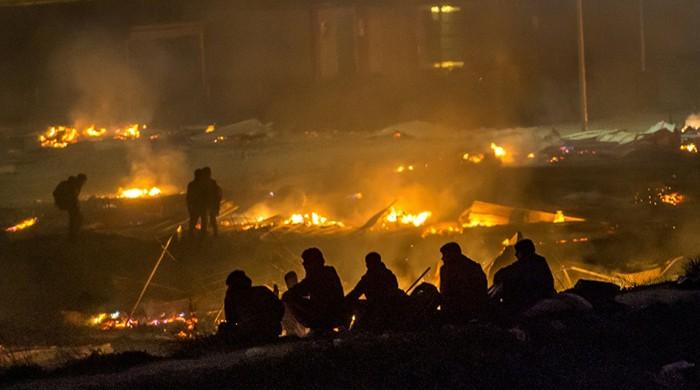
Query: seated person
x=525 y=282
x=316 y=301
x=462 y=285
x=252 y=313
x=384 y=299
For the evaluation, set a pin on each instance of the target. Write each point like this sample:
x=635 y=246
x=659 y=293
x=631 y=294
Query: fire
x=29 y=222
x=693 y=121
x=401 y=217
x=559 y=217
x=185 y=325
x=58 y=137
x=498 y=151
x=133 y=193
x=92 y=132
x=531 y=155
x=129 y=133
x=404 y=168
x=690 y=148
x=473 y=158
x=673 y=198
x=309 y=219
x=210 y=129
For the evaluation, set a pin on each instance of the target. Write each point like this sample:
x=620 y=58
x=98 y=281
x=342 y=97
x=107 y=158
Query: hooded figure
x=526 y=281
x=384 y=299
x=462 y=285
x=252 y=313
x=317 y=301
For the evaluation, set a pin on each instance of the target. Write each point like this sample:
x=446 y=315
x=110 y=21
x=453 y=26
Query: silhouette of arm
x=357 y=292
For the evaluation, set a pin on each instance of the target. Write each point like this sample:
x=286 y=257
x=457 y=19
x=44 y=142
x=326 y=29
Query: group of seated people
x=317 y=304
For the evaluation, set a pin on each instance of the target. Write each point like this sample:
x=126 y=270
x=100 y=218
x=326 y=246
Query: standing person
x=317 y=301
x=213 y=195
x=66 y=197
x=462 y=285
x=196 y=203
x=525 y=282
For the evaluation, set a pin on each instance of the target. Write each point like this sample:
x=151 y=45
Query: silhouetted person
x=462 y=285
x=66 y=196
x=316 y=301
x=213 y=195
x=196 y=203
x=506 y=257
x=290 y=325
x=384 y=299
x=526 y=281
x=252 y=313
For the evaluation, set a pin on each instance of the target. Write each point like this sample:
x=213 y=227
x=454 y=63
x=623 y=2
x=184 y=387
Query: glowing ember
x=22 y=225
x=401 y=217
x=445 y=9
x=210 y=129
x=673 y=198
x=310 y=219
x=184 y=325
x=133 y=193
x=531 y=155
x=690 y=148
x=473 y=158
x=58 y=137
x=404 y=168
x=129 y=133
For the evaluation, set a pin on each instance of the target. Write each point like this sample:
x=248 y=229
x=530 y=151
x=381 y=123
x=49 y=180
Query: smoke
x=94 y=77
x=693 y=120
x=150 y=167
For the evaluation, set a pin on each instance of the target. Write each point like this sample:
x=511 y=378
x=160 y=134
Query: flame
x=690 y=148
x=58 y=137
x=129 y=133
x=185 y=324
x=473 y=158
x=445 y=9
x=29 y=222
x=531 y=155
x=673 y=198
x=559 y=217
x=92 y=132
x=498 y=151
x=401 y=217
x=309 y=219
x=692 y=121
x=133 y=193
x=61 y=136
x=403 y=168
x=210 y=129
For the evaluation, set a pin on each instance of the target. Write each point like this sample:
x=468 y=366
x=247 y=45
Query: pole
x=408 y=290
x=642 y=37
x=582 y=67
x=148 y=281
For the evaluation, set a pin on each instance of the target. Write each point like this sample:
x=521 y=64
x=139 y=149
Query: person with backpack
x=65 y=197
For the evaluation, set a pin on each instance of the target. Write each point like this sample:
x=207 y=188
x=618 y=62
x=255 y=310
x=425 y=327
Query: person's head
x=197 y=174
x=524 y=248
x=206 y=173
x=312 y=259
x=291 y=279
x=81 y=178
x=373 y=260
x=450 y=251
x=238 y=280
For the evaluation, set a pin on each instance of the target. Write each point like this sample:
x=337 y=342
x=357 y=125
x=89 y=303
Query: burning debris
x=311 y=219
x=135 y=193
x=27 y=223
x=396 y=218
x=483 y=214
x=180 y=325
x=656 y=196
x=59 y=137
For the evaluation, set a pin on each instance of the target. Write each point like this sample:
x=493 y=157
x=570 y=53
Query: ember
x=27 y=223
x=690 y=148
x=58 y=137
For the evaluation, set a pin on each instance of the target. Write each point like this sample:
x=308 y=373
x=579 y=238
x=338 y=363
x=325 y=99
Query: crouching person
x=384 y=305
x=317 y=301
x=252 y=313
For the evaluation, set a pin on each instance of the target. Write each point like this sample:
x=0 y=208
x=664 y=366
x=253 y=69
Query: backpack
x=61 y=195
